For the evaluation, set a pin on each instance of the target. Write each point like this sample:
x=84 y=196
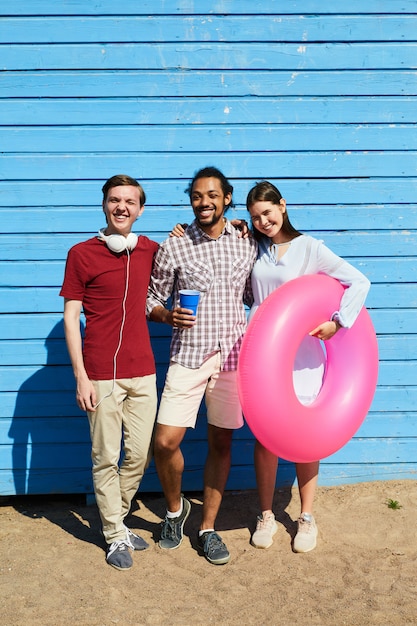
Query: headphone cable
x=120 y=332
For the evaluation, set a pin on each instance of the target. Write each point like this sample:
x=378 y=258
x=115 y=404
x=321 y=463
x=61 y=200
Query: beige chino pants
x=121 y=428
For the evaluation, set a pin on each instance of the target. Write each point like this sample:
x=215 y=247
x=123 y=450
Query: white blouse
x=306 y=255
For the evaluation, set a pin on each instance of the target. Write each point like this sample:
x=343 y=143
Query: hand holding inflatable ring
x=276 y=417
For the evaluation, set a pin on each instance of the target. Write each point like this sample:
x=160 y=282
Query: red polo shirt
x=98 y=277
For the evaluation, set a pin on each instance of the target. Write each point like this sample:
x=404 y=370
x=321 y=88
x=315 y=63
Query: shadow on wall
x=51 y=442
x=51 y=450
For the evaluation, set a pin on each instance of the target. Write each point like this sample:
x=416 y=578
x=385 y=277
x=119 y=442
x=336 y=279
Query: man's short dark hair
x=120 y=180
x=212 y=172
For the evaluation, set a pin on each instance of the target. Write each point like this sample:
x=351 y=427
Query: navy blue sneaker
x=118 y=555
x=135 y=542
x=213 y=548
x=172 y=528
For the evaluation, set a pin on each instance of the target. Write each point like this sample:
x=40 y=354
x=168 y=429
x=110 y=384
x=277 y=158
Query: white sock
x=171 y=515
x=206 y=530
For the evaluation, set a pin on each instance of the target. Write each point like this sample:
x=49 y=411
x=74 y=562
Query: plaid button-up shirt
x=220 y=270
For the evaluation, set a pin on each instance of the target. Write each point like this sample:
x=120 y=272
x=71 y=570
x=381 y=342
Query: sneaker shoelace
x=304 y=525
x=169 y=529
x=214 y=543
x=117 y=545
x=128 y=538
x=264 y=523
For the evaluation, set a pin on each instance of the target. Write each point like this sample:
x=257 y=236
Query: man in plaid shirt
x=215 y=260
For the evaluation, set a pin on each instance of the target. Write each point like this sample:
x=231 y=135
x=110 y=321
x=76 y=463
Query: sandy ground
x=363 y=571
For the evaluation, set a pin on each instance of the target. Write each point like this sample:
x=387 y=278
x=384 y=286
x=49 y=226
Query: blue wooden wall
x=322 y=103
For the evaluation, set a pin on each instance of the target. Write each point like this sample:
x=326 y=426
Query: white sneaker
x=306 y=537
x=266 y=527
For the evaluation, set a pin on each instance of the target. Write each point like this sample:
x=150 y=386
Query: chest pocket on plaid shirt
x=198 y=276
x=240 y=271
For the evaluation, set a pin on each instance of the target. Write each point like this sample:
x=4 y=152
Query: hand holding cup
x=189 y=299
x=184 y=315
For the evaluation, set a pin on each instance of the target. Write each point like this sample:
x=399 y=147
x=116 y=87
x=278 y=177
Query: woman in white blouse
x=285 y=254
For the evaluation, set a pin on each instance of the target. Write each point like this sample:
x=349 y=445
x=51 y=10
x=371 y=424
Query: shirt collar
x=198 y=233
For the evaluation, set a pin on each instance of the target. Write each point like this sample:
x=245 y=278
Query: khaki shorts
x=185 y=388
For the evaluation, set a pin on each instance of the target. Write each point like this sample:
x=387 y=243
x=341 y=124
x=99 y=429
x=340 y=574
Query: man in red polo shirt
x=108 y=276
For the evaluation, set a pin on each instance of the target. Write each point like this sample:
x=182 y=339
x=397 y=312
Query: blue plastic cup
x=189 y=299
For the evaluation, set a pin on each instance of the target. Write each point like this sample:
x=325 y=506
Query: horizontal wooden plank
x=348 y=244
x=236 y=138
x=54 y=373
x=357 y=243
x=388 y=323
x=201 y=28
x=75 y=219
x=240 y=477
x=395 y=399
x=402 y=399
x=357 y=450
x=87 y=220
x=352 y=473
x=391 y=321
x=210 y=56
x=29 y=431
x=160 y=84
x=54 y=404
x=42 y=372
x=63 y=456
x=53 y=481
x=393 y=349
x=75 y=429
x=165 y=192
x=205 y=7
x=49 y=327
x=156 y=111
x=24 y=432
x=51 y=273
x=388 y=425
x=398 y=450
x=31 y=326
x=47 y=299
x=59 y=457
x=396 y=348
x=401 y=372
x=331 y=164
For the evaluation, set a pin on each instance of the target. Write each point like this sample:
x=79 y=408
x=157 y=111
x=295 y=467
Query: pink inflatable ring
x=274 y=414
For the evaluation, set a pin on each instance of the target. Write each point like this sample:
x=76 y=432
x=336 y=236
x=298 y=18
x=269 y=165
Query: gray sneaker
x=135 y=542
x=213 y=548
x=118 y=555
x=172 y=528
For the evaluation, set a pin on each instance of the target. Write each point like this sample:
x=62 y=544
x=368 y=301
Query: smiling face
x=268 y=218
x=122 y=208
x=209 y=203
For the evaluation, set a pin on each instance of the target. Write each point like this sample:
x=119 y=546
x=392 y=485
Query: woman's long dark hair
x=265 y=191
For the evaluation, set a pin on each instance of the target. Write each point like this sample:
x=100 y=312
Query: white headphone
x=118 y=243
